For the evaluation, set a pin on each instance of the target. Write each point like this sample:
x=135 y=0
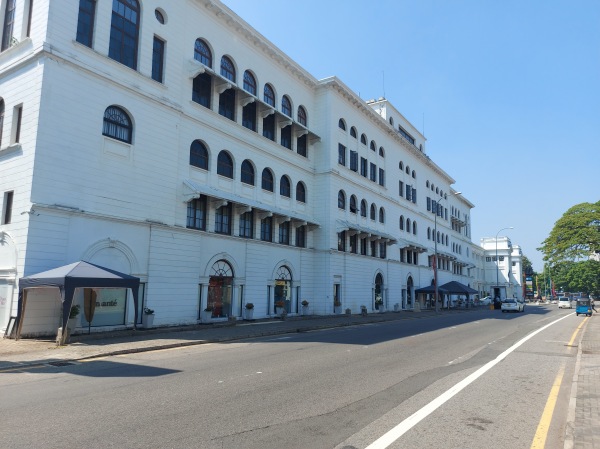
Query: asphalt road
x=339 y=388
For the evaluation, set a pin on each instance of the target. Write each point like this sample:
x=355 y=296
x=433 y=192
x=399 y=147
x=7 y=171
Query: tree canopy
x=575 y=235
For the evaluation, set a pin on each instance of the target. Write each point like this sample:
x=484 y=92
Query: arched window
x=202 y=53
x=373 y=146
x=227 y=68
x=342 y=124
x=381 y=152
x=267 y=180
x=159 y=16
x=353 y=206
x=124 y=32
x=117 y=124
x=363 y=208
x=408 y=225
x=381 y=215
x=220 y=291
x=414 y=228
x=225 y=164
x=401 y=165
x=269 y=95
x=428 y=233
x=341 y=200
x=392 y=121
x=199 y=155
x=401 y=224
x=286 y=105
x=414 y=174
x=300 y=192
x=284 y=187
x=407 y=170
x=249 y=83
x=302 y=119
x=363 y=139
x=373 y=211
x=353 y=132
x=247 y=175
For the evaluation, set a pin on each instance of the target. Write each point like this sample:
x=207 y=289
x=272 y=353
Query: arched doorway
x=283 y=289
x=379 y=291
x=220 y=289
x=409 y=292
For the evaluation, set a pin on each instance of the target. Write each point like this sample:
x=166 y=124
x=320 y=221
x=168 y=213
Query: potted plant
x=379 y=303
x=337 y=306
x=249 y=310
x=207 y=314
x=304 y=307
x=279 y=307
x=73 y=317
x=148 y=317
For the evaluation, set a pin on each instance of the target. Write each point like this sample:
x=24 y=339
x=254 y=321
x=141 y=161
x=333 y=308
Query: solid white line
x=391 y=436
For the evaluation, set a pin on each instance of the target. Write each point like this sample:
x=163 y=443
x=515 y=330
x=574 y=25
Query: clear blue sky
x=506 y=92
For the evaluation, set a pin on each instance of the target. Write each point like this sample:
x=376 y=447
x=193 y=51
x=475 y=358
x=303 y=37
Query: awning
x=342 y=225
x=412 y=246
x=192 y=189
x=430 y=289
x=458 y=288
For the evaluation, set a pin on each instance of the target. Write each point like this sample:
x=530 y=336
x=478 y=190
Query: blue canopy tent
x=69 y=277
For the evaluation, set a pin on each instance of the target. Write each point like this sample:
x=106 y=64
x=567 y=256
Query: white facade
x=503 y=268
x=74 y=189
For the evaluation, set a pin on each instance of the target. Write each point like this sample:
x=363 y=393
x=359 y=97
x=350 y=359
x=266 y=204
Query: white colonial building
x=173 y=142
x=503 y=268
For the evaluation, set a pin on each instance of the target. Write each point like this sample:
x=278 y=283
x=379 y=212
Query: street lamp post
x=498 y=261
x=435 y=255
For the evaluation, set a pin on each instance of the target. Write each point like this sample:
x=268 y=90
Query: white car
x=564 y=303
x=512 y=305
x=486 y=301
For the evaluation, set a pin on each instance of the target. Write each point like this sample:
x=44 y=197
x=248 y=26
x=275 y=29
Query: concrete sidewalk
x=583 y=420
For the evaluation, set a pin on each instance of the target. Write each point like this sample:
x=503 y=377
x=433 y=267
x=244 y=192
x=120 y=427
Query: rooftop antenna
x=423 y=127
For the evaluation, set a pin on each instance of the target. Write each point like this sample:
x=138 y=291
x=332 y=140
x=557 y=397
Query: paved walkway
x=583 y=420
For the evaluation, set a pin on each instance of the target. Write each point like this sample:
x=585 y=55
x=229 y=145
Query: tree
x=583 y=276
x=575 y=235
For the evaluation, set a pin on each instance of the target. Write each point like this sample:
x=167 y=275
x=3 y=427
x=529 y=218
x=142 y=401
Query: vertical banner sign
x=528 y=286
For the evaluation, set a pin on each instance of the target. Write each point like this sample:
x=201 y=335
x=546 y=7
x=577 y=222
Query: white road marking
x=391 y=436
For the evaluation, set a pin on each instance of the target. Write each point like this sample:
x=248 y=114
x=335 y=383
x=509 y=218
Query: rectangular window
x=29 y=16
x=284 y=233
x=18 y=118
x=408 y=192
x=407 y=136
x=249 y=116
x=247 y=225
x=266 y=229
x=196 y=213
x=269 y=127
x=341 y=154
x=9 y=22
x=158 y=59
x=7 y=207
x=414 y=196
x=381 y=177
x=402 y=255
x=428 y=204
x=373 y=172
x=354 y=161
x=353 y=244
x=301 y=237
x=363 y=166
x=223 y=220
x=301 y=147
x=363 y=246
x=286 y=137
x=342 y=241
x=227 y=104
x=373 y=248
x=401 y=188
x=382 y=250
x=201 y=90
x=85 y=22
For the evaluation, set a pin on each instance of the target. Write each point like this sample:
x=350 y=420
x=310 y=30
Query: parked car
x=486 y=301
x=512 y=305
x=564 y=303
